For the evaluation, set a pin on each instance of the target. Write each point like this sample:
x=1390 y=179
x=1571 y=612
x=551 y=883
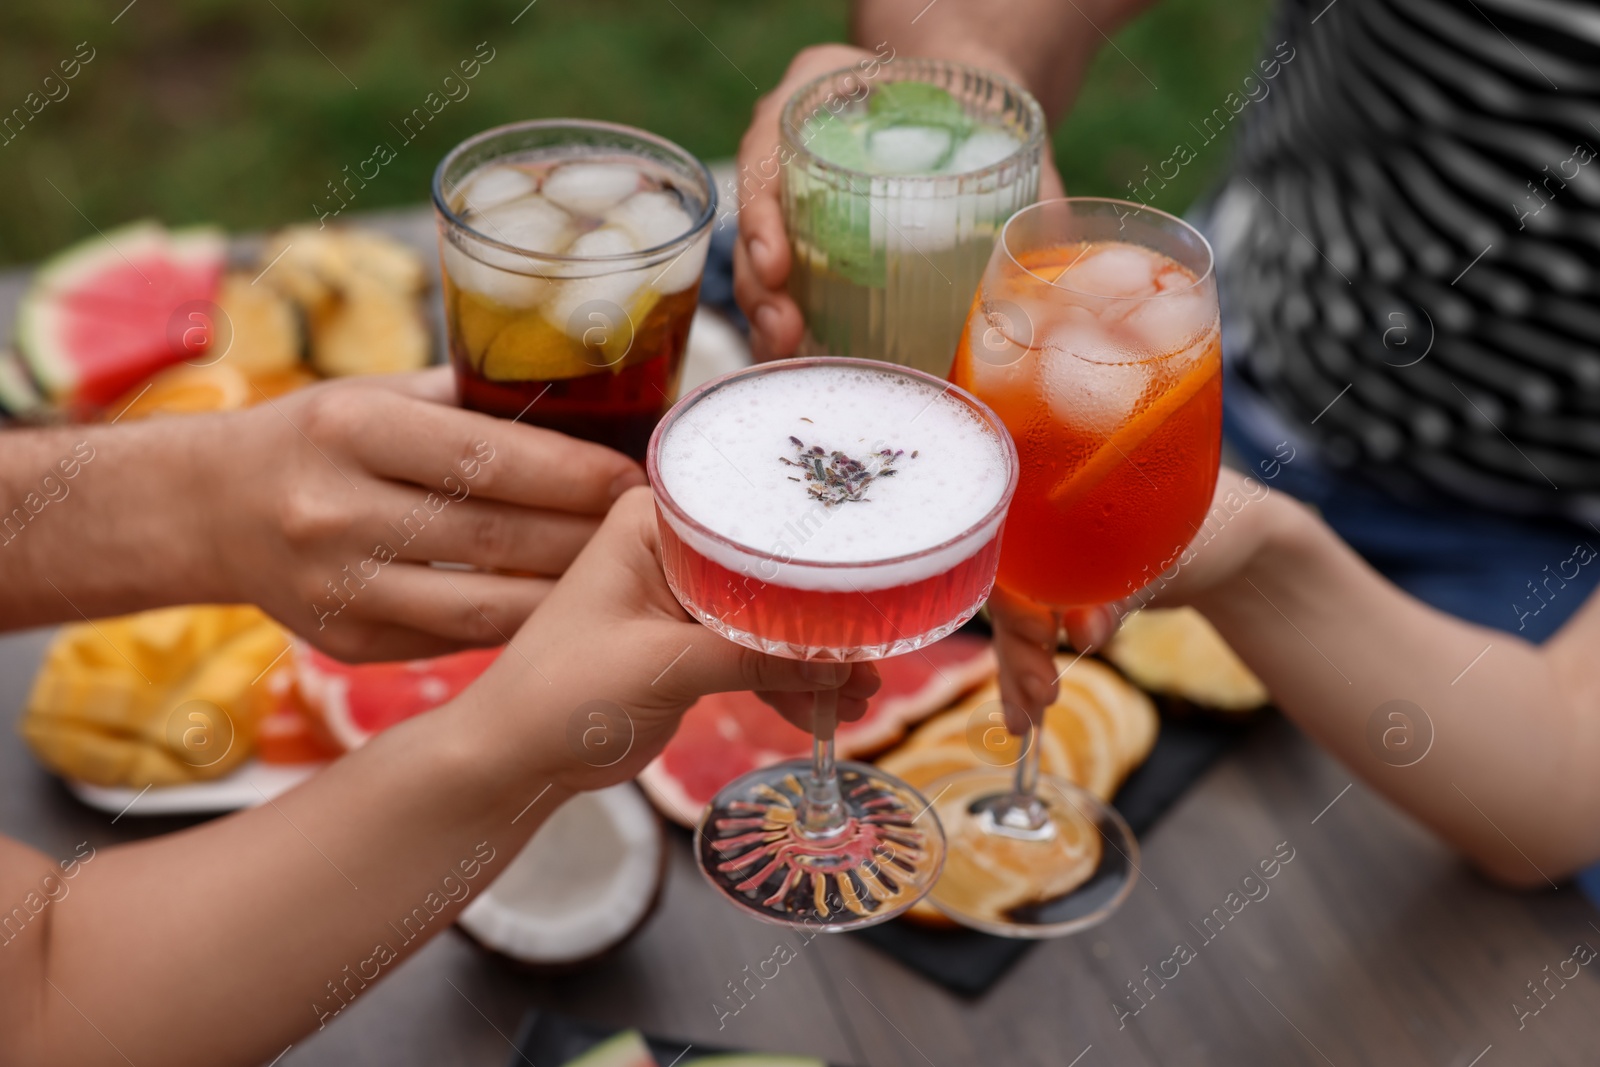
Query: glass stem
x=822 y=813
x=1028 y=765
x=1025 y=811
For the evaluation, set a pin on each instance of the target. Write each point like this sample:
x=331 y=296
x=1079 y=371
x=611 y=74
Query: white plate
x=253 y=783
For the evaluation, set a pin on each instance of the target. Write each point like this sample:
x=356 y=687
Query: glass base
x=884 y=859
x=1058 y=863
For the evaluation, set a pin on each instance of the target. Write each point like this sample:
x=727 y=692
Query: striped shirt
x=1408 y=246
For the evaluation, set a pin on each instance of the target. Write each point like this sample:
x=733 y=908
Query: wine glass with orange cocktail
x=1095 y=337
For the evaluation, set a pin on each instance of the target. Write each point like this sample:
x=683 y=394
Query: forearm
x=1335 y=642
x=225 y=943
x=1045 y=45
x=101 y=520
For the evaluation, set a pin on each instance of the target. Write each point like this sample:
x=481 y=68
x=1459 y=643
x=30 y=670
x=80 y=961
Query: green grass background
x=232 y=111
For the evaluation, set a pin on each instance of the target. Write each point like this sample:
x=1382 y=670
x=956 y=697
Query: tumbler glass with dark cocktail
x=572 y=254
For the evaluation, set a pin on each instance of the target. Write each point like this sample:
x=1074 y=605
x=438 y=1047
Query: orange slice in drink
x=1122 y=444
x=529 y=348
x=478 y=322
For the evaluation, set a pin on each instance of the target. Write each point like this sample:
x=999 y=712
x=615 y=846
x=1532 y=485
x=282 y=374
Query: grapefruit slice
x=726 y=734
x=352 y=702
x=585 y=882
x=111 y=310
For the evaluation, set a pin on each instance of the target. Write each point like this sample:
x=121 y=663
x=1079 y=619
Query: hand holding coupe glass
x=848 y=509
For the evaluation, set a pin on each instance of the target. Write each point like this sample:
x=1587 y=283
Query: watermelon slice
x=626 y=1049
x=109 y=311
x=726 y=734
x=18 y=395
x=354 y=701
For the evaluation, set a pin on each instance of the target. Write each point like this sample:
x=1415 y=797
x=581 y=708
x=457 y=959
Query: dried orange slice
x=918 y=767
x=1129 y=715
x=1176 y=651
x=1082 y=729
x=989 y=875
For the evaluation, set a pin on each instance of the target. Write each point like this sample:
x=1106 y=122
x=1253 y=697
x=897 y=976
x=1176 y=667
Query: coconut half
x=584 y=883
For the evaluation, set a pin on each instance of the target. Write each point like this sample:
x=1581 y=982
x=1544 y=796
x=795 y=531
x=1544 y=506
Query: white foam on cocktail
x=605 y=287
x=511 y=279
x=655 y=218
x=495 y=185
x=592 y=188
x=720 y=461
x=988 y=146
x=907 y=149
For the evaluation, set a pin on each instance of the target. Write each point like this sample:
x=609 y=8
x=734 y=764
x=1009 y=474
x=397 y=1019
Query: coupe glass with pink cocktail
x=830 y=509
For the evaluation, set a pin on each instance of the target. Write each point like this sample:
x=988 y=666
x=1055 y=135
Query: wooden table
x=1373 y=946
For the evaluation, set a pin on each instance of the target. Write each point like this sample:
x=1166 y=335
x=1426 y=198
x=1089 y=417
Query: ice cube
x=1167 y=323
x=592 y=188
x=910 y=217
x=508 y=278
x=653 y=219
x=1089 y=395
x=502 y=287
x=495 y=185
x=1172 y=278
x=1079 y=330
x=612 y=293
x=530 y=223
x=1089 y=376
x=1113 y=269
x=983 y=149
x=907 y=149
